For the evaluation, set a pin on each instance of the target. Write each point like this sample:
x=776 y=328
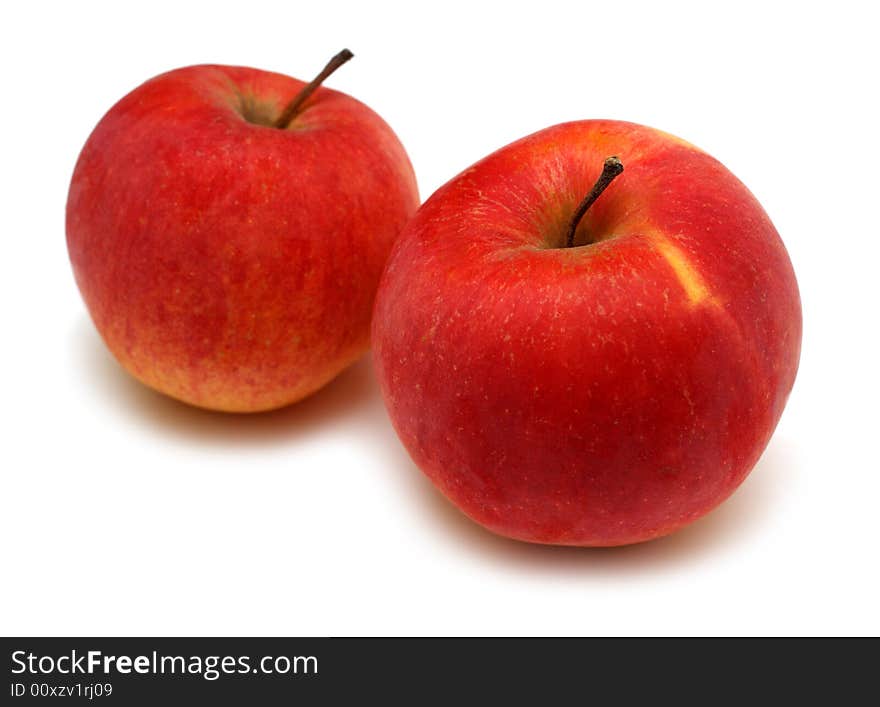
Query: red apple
x=602 y=394
x=227 y=229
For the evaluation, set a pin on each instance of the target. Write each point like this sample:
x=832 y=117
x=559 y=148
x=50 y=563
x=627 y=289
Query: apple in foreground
x=578 y=369
x=227 y=228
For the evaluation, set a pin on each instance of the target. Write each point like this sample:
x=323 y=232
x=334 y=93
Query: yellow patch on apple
x=691 y=280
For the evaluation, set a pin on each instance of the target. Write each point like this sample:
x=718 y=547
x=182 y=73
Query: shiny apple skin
x=225 y=262
x=600 y=395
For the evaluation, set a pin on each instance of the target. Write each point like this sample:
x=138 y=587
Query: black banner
x=134 y=671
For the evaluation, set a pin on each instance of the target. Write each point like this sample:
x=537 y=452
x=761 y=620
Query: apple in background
x=227 y=228
x=600 y=393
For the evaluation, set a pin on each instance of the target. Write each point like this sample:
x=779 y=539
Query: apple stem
x=613 y=166
x=289 y=113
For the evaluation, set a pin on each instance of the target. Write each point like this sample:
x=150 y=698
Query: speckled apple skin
x=601 y=395
x=227 y=263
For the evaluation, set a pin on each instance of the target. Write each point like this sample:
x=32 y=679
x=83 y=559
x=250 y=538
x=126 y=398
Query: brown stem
x=613 y=166
x=289 y=113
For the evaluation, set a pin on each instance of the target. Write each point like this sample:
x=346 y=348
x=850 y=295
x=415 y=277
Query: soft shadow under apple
x=734 y=522
x=345 y=397
x=354 y=397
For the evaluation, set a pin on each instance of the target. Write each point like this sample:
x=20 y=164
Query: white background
x=127 y=513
